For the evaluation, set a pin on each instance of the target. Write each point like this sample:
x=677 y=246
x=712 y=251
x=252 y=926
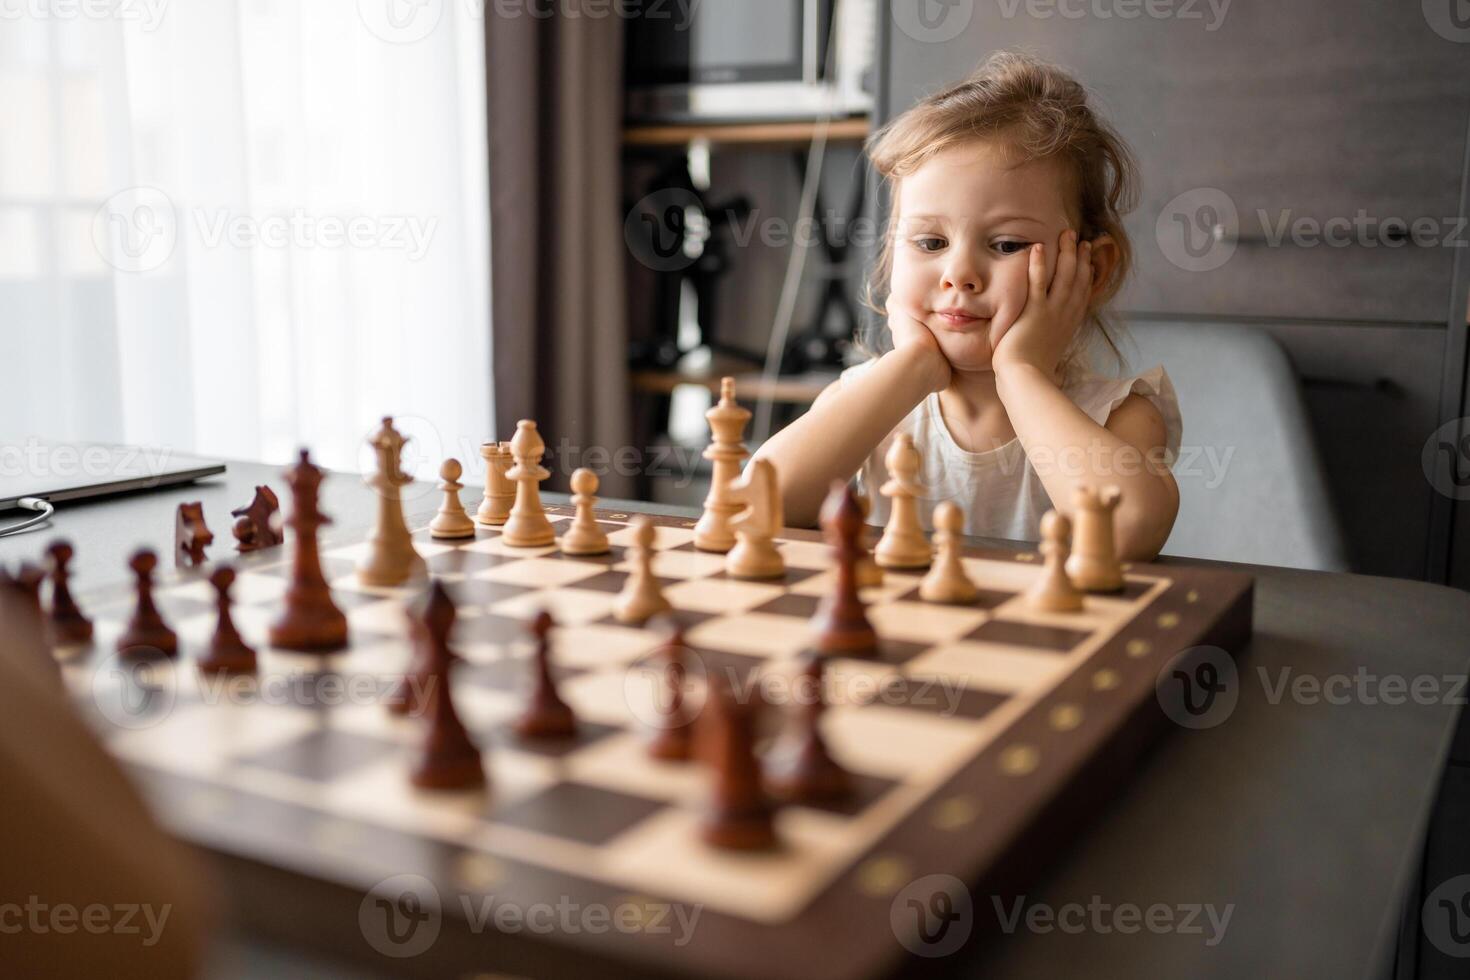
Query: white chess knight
x=755 y=555
x=391 y=558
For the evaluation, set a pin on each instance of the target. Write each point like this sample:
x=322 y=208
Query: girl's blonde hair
x=1040 y=112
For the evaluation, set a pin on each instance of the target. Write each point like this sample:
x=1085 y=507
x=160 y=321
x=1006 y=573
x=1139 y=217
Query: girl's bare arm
x=844 y=425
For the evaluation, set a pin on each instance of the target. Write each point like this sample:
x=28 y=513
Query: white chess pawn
x=1093 y=565
x=451 y=521
x=527 y=526
x=1053 y=591
x=947 y=581
x=584 y=537
x=641 y=598
x=754 y=555
x=903 y=544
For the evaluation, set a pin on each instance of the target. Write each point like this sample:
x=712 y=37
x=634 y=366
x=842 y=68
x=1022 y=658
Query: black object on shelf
x=822 y=344
x=672 y=215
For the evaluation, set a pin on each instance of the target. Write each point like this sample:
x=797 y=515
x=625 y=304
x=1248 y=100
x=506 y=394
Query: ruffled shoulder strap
x=1099 y=396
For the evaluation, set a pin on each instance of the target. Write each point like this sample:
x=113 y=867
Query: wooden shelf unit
x=852 y=130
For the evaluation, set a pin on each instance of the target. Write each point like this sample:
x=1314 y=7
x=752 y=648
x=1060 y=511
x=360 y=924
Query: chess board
x=979 y=736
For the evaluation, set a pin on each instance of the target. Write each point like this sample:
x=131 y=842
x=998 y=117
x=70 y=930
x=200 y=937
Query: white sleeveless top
x=999 y=491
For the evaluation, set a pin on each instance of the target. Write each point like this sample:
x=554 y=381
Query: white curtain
x=236 y=227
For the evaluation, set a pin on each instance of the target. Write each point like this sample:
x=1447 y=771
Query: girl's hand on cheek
x=910 y=332
x=1053 y=313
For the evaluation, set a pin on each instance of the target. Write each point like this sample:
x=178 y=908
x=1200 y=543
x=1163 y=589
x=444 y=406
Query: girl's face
x=965 y=220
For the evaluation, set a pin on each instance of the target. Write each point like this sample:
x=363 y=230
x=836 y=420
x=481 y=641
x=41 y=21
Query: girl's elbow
x=1141 y=534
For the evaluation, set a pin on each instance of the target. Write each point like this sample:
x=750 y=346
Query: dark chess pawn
x=191 y=535
x=407 y=695
x=228 y=652
x=740 y=816
x=449 y=759
x=146 y=634
x=841 y=621
x=672 y=739
x=799 y=768
x=68 y=626
x=546 y=714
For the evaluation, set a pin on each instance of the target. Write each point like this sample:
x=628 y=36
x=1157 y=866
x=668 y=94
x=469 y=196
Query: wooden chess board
x=979 y=736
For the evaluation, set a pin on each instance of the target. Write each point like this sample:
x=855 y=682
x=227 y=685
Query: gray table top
x=1303 y=816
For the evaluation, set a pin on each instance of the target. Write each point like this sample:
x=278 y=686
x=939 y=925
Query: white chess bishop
x=527 y=526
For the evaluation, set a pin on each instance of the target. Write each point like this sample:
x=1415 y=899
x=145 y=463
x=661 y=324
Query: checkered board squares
x=950 y=682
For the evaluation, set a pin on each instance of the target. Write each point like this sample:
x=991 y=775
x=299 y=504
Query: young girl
x=1005 y=243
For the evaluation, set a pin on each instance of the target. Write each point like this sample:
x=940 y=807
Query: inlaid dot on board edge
x=1168 y=620
x=1139 y=648
x=1105 y=679
x=478 y=871
x=1020 y=760
x=1065 y=717
x=882 y=875
x=954 y=812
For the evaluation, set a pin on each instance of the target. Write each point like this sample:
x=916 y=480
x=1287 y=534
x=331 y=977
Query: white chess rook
x=1093 y=565
x=500 y=493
